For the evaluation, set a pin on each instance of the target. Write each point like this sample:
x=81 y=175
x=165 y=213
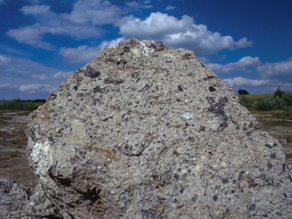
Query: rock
x=283 y=141
x=13 y=199
x=144 y=131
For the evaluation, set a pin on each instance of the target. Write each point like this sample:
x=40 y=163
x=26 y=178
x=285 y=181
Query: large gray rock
x=13 y=199
x=144 y=131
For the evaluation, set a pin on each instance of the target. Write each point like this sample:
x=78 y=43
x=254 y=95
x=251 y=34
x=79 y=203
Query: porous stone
x=144 y=131
x=13 y=199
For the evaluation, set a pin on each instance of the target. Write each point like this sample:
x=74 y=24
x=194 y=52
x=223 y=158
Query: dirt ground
x=13 y=162
x=14 y=165
x=279 y=128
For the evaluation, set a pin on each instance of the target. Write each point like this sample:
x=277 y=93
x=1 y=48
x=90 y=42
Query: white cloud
x=11 y=50
x=31 y=35
x=36 y=10
x=242 y=43
x=24 y=66
x=170 y=7
x=4 y=61
x=82 y=53
x=96 y=12
x=136 y=6
x=33 y=88
x=40 y=76
x=87 y=17
x=85 y=53
x=240 y=65
x=23 y=69
x=58 y=75
x=240 y=81
x=179 y=33
x=82 y=23
x=276 y=69
x=4 y=85
x=63 y=74
x=28 y=77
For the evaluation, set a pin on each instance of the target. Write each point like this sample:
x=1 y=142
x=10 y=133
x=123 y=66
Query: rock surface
x=144 y=131
x=13 y=199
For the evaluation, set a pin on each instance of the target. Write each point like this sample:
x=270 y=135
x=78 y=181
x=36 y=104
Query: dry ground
x=13 y=162
x=14 y=165
x=279 y=128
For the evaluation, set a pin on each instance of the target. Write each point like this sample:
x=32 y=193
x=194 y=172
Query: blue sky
x=245 y=42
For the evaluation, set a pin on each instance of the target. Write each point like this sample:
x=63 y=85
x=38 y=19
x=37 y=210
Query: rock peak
x=144 y=131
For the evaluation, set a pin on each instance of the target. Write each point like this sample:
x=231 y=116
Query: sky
x=247 y=43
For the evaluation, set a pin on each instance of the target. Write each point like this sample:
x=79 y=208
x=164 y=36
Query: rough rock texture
x=13 y=199
x=144 y=131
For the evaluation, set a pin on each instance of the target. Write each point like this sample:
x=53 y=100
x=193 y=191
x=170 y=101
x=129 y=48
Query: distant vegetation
x=17 y=104
x=279 y=100
x=242 y=92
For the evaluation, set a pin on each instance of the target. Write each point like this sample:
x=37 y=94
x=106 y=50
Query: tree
x=279 y=93
x=242 y=92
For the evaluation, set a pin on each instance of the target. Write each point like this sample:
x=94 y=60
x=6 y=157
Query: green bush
x=17 y=104
x=245 y=102
x=280 y=100
x=287 y=97
x=262 y=105
x=279 y=93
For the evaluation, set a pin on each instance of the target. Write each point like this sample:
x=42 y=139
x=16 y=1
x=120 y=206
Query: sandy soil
x=14 y=165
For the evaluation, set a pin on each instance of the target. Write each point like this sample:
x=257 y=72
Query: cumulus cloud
x=275 y=69
x=240 y=81
x=179 y=33
x=82 y=23
x=240 y=65
x=242 y=43
x=33 y=88
x=169 y=7
x=87 y=17
x=31 y=35
x=85 y=53
x=96 y=12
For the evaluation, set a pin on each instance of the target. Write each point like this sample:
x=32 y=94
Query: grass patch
x=255 y=97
